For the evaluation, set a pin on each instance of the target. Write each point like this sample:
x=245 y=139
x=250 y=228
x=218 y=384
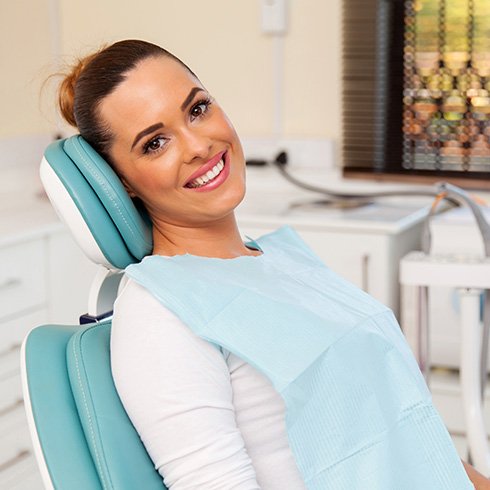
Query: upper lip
x=206 y=167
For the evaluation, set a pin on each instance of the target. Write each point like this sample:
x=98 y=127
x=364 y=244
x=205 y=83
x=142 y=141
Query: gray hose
x=461 y=195
x=368 y=196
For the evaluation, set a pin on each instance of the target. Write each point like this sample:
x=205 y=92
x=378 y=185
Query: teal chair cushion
x=132 y=226
x=86 y=436
x=65 y=450
x=120 y=228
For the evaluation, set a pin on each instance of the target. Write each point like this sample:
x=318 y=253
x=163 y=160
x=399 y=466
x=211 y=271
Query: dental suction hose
x=460 y=195
x=280 y=163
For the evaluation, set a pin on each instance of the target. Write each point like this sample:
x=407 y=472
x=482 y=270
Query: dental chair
x=82 y=436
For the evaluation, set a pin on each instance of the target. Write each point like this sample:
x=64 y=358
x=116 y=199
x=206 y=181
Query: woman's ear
x=128 y=188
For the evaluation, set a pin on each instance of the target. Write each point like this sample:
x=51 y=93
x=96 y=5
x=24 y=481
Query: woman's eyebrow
x=146 y=131
x=189 y=98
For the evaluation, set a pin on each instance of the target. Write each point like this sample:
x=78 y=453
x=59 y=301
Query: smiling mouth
x=209 y=176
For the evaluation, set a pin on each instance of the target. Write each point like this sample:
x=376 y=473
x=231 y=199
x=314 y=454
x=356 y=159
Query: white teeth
x=211 y=174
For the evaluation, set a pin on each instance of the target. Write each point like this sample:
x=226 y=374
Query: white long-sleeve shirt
x=208 y=420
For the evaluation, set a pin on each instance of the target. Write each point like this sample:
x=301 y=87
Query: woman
x=208 y=419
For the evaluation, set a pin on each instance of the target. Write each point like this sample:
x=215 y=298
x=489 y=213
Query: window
x=416 y=100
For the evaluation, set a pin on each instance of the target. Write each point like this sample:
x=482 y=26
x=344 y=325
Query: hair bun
x=66 y=91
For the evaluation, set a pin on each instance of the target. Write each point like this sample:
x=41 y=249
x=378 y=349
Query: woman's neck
x=220 y=239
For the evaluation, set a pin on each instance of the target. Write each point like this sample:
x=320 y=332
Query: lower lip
x=217 y=181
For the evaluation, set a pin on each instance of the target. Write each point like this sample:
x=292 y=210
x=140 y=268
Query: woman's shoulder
x=132 y=293
x=135 y=305
x=137 y=312
x=139 y=315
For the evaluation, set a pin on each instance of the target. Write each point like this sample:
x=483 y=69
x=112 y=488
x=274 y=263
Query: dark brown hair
x=96 y=76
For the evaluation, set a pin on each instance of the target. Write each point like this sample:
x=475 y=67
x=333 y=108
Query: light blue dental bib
x=358 y=412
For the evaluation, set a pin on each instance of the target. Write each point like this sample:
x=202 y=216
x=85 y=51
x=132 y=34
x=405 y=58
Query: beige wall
x=219 y=39
x=24 y=64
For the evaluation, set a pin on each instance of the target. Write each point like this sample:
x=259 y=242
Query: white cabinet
x=22 y=277
x=43 y=278
x=23 y=301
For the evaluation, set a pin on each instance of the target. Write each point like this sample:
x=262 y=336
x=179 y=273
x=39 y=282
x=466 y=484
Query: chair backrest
x=89 y=197
x=82 y=436
x=84 y=439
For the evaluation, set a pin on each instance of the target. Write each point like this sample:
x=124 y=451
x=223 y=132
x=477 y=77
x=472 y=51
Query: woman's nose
x=195 y=145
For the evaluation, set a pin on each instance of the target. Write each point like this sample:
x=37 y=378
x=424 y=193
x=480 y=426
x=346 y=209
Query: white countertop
x=24 y=215
x=26 y=219
x=270 y=199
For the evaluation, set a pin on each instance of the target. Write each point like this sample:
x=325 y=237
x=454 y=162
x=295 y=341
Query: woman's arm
x=176 y=390
x=478 y=480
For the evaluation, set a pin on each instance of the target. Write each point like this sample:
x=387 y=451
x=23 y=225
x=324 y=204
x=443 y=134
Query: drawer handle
x=10 y=282
x=23 y=454
x=12 y=407
x=10 y=349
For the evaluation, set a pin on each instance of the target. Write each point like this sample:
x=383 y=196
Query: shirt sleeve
x=177 y=392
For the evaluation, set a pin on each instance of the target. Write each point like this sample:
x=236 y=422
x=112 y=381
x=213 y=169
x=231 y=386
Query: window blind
x=416 y=83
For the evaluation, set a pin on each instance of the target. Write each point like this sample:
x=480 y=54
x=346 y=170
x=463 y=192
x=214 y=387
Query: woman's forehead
x=154 y=87
x=161 y=76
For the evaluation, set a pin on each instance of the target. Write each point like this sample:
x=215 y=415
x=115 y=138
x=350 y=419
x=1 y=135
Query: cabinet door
x=70 y=276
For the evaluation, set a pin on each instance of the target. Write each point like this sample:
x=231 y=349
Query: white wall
x=219 y=39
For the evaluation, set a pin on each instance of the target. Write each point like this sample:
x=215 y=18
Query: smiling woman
x=168 y=155
x=261 y=371
x=172 y=145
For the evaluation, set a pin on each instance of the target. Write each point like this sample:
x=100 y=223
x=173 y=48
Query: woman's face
x=174 y=147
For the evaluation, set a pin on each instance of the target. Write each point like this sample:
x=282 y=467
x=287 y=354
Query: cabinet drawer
x=23 y=277
x=13 y=331
x=21 y=473
x=11 y=335
x=10 y=393
x=9 y=362
x=15 y=439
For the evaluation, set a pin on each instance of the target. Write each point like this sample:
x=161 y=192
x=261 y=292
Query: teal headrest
x=121 y=230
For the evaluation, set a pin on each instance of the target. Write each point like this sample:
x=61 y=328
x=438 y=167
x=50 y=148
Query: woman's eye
x=200 y=108
x=154 y=145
